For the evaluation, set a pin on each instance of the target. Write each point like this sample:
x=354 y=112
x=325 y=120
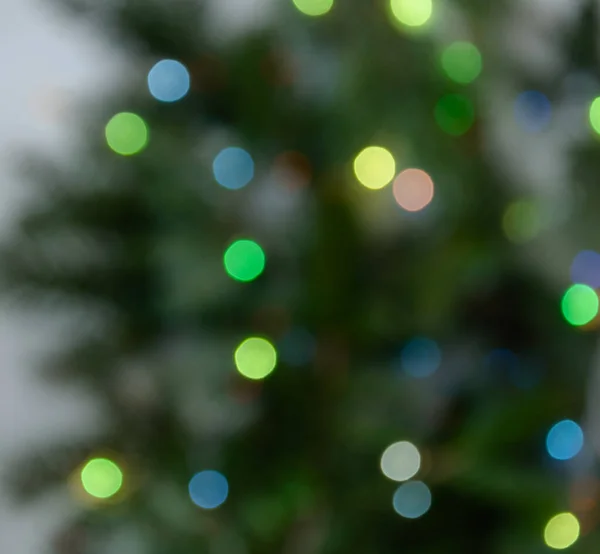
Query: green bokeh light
x=101 y=478
x=561 y=531
x=454 y=113
x=461 y=61
x=579 y=304
x=255 y=358
x=595 y=115
x=412 y=13
x=126 y=133
x=374 y=167
x=244 y=260
x=313 y=7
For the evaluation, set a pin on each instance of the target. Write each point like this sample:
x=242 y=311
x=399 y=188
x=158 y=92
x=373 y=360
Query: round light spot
x=412 y=13
x=454 y=113
x=461 y=61
x=522 y=221
x=314 y=7
x=208 y=489
x=168 y=81
x=255 y=358
x=126 y=133
x=374 y=167
x=412 y=500
x=244 y=260
x=413 y=189
x=595 y=115
x=421 y=357
x=564 y=440
x=400 y=461
x=233 y=168
x=533 y=111
x=101 y=478
x=579 y=304
x=585 y=268
x=561 y=531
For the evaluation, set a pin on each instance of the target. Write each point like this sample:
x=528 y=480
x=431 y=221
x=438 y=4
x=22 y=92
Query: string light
x=126 y=133
x=585 y=268
x=168 y=81
x=561 y=531
x=244 y=260
x=579 y=304
x=233 y=168
x=454 y=113
x=374 y=167
x=595 y=115
x=412 y=13
x=313 y=8
x=400 y=461
x=413 y=189
x=461 y=61
x=564 y=440
x=255 y=358
x=412 y=500
x=101 y=478
x=208 y=489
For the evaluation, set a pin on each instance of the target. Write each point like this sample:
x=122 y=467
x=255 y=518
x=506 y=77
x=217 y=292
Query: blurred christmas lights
x=421 y=357
x=522 y=221
x=208 y=489
x=255 y=358
x=168 y=81
x=126 y=133
x=585 y=268
x=400 y=461
x=533 y=111
x=412 y=13
x=101 y=478
x=233 y=168
x=564 y=440
x=412 y=500
x=579 y=304
x=461 y=61
x=454 y=113
x=561 y=531
x=244 y=260
x=595 y=115
x=313 y=8
x=374 y=167
x=413 y=190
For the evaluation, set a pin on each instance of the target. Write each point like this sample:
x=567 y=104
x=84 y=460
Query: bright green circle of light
x=313 y=7
x=561 y=531
x=461 y=61
x=374 y=167
x=579 y=304
x=595 y=115
x=101 y=478
x=255 y=358
x=126 y=133
x=244 y=260
x=455 y=114
x=412 y=13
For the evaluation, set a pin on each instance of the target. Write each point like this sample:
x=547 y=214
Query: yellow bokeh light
x=255 y=358
x=400 y=461
x=561 y=531
x=374 y=167
x=313 y=7
x=412 y=13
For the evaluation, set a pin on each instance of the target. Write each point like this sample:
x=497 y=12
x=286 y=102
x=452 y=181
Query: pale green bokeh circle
x=595 y=115
x=126 y=133
x=580 y=304
x=522 y=221
x=462 y=62
x=561 y=531
x=255 y=358
x=412 y=13
x=313 y=7
x=374 y=167
x=101 y=478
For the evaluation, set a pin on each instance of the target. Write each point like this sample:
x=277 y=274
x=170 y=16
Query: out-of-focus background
x=52 y=64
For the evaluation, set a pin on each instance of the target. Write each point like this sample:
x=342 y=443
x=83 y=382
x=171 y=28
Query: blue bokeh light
x=421 y=357
x=233 y=168
x=564 y=440
x=533 y=111
x=585 y=268
x=208 y=489
x=168 y=81
x=412 y=499
x=297 y=348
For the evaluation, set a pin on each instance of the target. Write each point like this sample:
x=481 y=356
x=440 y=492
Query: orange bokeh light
x=413 y=189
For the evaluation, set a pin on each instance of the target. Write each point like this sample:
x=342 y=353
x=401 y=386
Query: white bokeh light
x=400 y=461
